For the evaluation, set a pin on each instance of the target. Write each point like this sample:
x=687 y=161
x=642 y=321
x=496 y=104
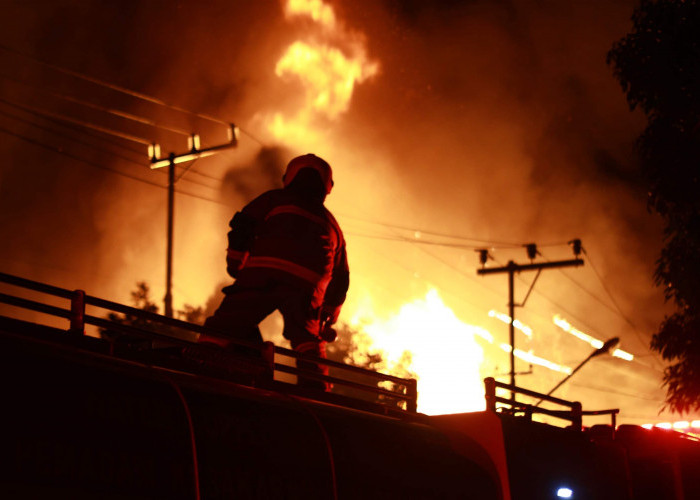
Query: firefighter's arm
x=337 y=288
x=240 y=239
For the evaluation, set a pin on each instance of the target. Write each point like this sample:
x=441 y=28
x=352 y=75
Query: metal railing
x=574 y=414
x=401 y=391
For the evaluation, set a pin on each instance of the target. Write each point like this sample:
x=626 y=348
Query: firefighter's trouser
x=246 y=303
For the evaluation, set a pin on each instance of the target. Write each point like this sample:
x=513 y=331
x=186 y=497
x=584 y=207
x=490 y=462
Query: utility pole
x=171 y=160
x=511 y=268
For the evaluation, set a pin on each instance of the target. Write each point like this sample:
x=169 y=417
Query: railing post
x=412 y=393
x=268 y=355
x=577 y=416
x=77 y=313
x=490 y=394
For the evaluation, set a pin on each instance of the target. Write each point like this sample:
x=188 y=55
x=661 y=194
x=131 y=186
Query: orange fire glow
x=425 y=339
x=315 y=9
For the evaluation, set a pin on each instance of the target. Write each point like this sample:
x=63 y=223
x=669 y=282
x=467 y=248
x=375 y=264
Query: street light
x=604 y=349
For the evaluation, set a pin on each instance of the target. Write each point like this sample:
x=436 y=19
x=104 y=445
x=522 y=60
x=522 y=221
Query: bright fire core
x=427 y=340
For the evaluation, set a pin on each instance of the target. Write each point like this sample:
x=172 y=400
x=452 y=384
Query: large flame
x=315 y=9
x=327 y=70
x=328 y=75
x=426 y=340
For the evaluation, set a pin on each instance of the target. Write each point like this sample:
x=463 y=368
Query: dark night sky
x=498 y=122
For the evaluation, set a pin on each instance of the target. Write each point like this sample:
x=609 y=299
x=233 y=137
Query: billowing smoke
x=474 y=125
x=243 y=183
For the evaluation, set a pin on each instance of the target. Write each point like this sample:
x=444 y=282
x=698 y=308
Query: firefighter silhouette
x=287 y=252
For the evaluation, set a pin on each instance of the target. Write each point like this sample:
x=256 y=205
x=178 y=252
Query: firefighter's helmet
x=309 y=161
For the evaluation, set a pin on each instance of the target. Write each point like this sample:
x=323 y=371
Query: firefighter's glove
x=328 y=333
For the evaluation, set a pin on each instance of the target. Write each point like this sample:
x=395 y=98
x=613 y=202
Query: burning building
x=452 y=127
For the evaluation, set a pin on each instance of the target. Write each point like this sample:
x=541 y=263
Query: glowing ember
x=426 y=339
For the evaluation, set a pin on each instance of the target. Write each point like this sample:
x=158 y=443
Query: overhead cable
x=102 y=167
x=62 y=123
x=66 y=136
x=77 y=158
x=432 y=233
x=417 y=241
x=116 y=88
x=131 y=93
x=619 y=309
x=98 y=148
x=478 y=242
x=255 y=139
x=91 y=126
x=612 y=391
x=583 y=322
x=589 y=292
x=114 y=112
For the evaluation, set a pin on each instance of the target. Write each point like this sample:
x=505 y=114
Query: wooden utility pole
x=511 y=268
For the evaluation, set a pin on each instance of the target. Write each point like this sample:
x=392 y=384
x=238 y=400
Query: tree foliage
x=658 y=66
x=141 y=299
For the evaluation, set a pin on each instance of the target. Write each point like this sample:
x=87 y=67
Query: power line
x=616 y=311
x=186 y=169
x=575 y=317
x=116 y=88
x=91 y=126
x=199 y=197
x=102 y=167
x=77 y=158
x=617 y=306
x=393 y=229
x=449 y=265
x=114 y=112
x=65 y=136
x=461 y=298
x=129 y=92
x=612 y=391
x=403 y=239
x=69 y=125
x=552 y=301
x=206 y=176
x=255 y=139
x=93 y=146
x=590 y=293
x=481 y=241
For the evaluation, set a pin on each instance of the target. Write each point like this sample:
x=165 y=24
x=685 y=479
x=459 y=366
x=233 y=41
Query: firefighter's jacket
x=282 y=232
